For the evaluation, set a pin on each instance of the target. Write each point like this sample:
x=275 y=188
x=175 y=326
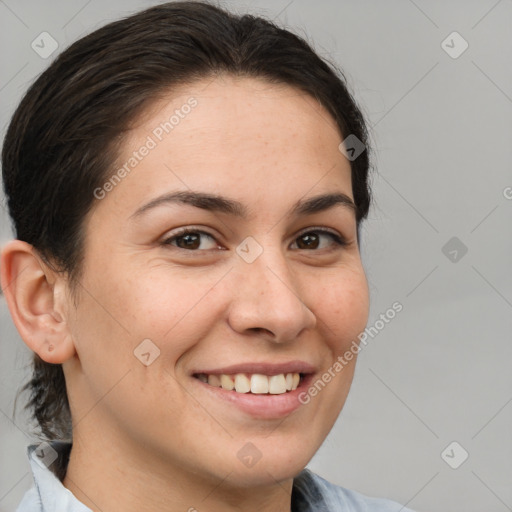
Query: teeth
x=256 y=383
x=214 y=380
x=277 y=384
x=226 y=382
x=259 y=384
x=242 y=383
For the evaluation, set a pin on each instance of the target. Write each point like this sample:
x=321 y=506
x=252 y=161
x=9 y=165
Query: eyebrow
x=217 y=203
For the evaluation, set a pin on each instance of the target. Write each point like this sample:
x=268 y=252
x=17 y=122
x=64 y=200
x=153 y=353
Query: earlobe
x=57 y=353
x=29 y=286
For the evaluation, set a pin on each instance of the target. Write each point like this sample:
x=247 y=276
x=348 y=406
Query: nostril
x=261 y=330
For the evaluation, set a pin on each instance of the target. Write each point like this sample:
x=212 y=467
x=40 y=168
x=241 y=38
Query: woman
x=186 y=187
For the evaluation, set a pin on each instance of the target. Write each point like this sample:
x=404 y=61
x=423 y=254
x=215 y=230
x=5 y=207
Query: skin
x=149 y=437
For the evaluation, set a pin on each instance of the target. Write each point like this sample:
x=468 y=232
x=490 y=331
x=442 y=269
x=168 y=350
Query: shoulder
x=313 y=493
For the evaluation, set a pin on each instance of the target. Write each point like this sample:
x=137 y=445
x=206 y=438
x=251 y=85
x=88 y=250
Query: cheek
x=157 y=304
x=114 y=317
x=342 y=306
x=169 y=303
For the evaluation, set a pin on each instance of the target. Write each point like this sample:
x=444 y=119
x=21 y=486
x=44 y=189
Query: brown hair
x=62 y=140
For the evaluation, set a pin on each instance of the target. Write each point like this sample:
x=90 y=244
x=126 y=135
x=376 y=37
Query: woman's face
x=267 y=281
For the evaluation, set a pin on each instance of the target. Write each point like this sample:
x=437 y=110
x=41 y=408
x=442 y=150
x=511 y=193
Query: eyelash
x=338 y=240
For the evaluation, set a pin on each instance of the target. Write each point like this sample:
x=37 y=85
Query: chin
x=264 y=467
x=265 y=475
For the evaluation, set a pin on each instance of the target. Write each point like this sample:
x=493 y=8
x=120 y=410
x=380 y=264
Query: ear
x=35 y=295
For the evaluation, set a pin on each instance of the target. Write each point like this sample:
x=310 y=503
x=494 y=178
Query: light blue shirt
x=311 y=493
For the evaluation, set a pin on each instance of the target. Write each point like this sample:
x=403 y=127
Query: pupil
x=308 y=241
x=189 y=241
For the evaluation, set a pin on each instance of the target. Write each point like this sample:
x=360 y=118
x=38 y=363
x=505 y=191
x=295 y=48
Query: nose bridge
x=268 y=297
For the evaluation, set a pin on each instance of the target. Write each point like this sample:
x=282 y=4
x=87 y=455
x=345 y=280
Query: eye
x=318 y=239
x=192 y=239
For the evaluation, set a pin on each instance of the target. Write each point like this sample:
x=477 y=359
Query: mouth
x=263 y=391
x=253 y=383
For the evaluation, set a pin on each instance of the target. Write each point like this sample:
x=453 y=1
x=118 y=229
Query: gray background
x=440 y=371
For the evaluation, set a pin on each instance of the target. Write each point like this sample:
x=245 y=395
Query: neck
x=108 y=476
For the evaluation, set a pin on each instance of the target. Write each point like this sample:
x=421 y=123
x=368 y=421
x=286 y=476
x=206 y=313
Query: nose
x=267 y=299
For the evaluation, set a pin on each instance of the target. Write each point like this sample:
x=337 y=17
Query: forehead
x=243 y=135
x=251 y=112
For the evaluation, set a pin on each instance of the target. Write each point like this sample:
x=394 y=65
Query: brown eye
x=318 y=239
x=189 y=241
x=308 y=241
x=192 y=240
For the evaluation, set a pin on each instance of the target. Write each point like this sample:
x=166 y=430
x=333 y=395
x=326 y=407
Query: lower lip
x=261 y=406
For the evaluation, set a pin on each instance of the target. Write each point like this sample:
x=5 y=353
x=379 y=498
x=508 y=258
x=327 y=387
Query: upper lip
x=261 y=368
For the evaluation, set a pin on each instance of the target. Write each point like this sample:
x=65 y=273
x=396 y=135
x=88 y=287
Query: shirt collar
x=52 y=493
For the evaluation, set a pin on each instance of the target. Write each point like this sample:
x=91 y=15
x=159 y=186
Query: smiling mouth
x=255 y=383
